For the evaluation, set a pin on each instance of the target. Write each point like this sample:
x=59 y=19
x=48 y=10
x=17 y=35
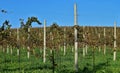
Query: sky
x=90 y=12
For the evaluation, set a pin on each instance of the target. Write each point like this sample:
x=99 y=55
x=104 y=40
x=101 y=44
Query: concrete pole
x=76 y=43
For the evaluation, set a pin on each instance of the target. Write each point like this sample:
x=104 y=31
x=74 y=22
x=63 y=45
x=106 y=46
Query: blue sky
x=90 y=12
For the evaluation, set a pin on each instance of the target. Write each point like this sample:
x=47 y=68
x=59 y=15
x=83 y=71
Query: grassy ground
x=93 y=62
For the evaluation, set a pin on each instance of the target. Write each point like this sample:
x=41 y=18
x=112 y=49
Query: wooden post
x=64 y=41
x=99 y=42
x=51 y=50
x=72 y=49
x=75 y=35
x=3 y=49
x=23 y=38
x=28 y=46
x=114 y=52
x=39 y=38
x=84 y=45
x=104 y=41
x=86 y=48
x=7 y=48
x=96 y=31
x=44 y=51
x=18 y=50
x=83 y=51
x=11 y=49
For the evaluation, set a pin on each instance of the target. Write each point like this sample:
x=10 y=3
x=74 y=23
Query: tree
x=26 y=27
x=5 y=34
x=55 y=32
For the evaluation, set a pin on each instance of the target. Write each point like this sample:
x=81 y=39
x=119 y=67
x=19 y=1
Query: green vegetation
x=64 y=64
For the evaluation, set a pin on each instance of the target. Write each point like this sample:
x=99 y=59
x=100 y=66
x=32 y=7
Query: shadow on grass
x=7 y=70
x=85 y=70
x=32 y=68
x=38 y=67
x=100 y=68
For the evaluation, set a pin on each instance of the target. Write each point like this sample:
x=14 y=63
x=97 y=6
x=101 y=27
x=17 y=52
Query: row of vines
x=57 y=36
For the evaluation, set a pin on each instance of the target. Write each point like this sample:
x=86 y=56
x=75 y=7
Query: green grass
x=65 y=64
